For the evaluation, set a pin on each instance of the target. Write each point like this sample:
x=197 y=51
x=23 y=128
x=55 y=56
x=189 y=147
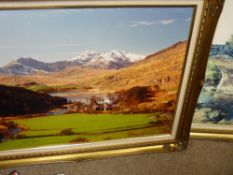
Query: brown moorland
x=160 y=72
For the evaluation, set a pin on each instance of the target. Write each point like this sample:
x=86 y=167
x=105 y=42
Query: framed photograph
x=213 y=116
x=91 y=79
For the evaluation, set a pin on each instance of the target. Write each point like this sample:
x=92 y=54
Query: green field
x=52 y=130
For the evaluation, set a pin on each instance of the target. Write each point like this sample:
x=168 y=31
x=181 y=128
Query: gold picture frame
x=202 y=26
x=205 y=131
x=216 y=125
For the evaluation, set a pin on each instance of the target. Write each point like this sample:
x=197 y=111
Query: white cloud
x=141 y=23
x=166 y=21
x=149 y=23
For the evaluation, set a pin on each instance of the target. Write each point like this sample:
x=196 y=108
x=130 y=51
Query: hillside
x=159 y=73
x=71 y=75
x=19 y=101
x=155 y=69
x=162 y=68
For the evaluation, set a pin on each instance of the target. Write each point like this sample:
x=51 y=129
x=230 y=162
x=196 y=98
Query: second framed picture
x=213 y=116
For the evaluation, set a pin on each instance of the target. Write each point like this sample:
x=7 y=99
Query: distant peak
x=21 y=60
x=25 y=59
x=89 y=55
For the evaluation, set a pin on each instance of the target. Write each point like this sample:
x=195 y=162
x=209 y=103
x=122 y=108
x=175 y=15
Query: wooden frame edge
x=93 y=155
x=212 y=136
x=213 y=9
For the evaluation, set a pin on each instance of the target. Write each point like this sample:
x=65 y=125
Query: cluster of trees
x=135 y=95
x=20 y=101
x=116 y=102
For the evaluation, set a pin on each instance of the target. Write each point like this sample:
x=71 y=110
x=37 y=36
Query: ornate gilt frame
x=218 y=132
x=205 y=131
x=207 y=11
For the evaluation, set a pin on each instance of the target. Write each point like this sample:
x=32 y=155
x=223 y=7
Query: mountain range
x=132 y=70
x=99 y=60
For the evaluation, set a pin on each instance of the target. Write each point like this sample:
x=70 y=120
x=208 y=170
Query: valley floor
x=83 y=128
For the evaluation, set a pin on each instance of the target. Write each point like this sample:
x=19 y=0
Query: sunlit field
x=81 y=128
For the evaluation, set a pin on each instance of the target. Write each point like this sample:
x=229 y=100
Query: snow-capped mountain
x=107 y=56
x=108 y=60
x=103 y=60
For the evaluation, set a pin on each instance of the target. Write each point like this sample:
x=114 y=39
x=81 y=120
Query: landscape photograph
x=214 y=106
x=74 y=76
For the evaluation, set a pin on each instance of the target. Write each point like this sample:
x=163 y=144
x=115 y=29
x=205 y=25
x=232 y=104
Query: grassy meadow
x=82 y=128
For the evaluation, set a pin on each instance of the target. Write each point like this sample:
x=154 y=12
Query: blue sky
x=52 y=35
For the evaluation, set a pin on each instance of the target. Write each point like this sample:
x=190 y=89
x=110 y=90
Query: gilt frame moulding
x=206 y=131
x=202 y=25
x=217 y=124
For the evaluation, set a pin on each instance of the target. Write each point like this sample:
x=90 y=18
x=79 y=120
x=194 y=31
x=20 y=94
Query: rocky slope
x=155 y=69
